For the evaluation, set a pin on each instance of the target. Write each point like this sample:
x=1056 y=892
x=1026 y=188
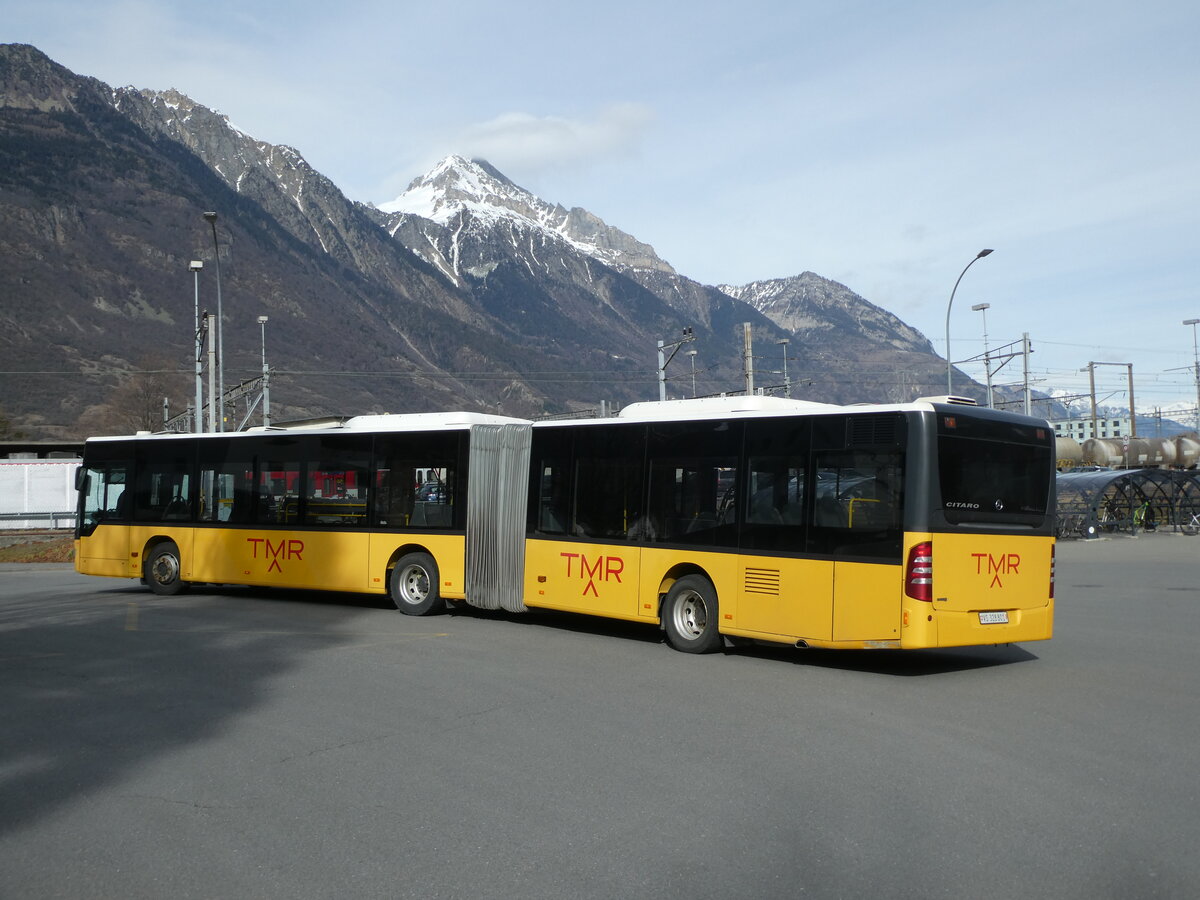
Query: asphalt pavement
x=238 y=742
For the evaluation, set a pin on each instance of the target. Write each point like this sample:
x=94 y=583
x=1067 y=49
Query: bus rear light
x=918 y=574
x=1051 y=571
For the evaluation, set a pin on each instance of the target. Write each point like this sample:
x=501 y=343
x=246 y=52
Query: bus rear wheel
x=689 y=615
x=414 y=585
x=162 y=569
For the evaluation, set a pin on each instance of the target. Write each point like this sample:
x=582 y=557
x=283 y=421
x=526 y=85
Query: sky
x=879 y=144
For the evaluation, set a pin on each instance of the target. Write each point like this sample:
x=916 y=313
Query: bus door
x=782 y=590
x=857 y=521
x=104 y=514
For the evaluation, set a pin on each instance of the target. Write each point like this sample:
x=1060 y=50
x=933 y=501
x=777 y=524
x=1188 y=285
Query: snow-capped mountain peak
x=457 y=185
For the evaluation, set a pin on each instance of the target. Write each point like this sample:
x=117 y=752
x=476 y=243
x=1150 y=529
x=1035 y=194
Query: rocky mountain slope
x=467 y=291
x=507 y=245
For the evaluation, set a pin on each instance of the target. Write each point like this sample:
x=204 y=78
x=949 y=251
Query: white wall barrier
x=42 y=488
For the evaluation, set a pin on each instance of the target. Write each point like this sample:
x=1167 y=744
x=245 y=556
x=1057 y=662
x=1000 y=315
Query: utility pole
x=266 y=375
x=195 y=266
x=1028 y=393
x=1196 y=362
x=211 y=218
x=987 y=359
x=212 y=368
x=748 y=359
x=1132 y=411
x=1092 y=382
x=1132 y=408
x=663 y=360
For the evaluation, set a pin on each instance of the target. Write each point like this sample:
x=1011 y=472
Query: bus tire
x=689 y=615
x=162 y=569
x=414 y=585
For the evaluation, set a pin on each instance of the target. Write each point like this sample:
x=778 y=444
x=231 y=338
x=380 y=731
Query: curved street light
x=978 y=256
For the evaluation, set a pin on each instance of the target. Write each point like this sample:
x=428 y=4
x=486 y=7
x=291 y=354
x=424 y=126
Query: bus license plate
x=999 y=617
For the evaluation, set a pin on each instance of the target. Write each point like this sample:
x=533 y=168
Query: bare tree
x=136 y=403
x=9 y=431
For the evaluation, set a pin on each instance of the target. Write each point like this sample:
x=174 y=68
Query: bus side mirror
x=81 y=478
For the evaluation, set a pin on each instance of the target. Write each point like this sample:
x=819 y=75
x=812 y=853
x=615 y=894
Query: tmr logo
x=995 y=566
x=603 y=568
x=285 y=549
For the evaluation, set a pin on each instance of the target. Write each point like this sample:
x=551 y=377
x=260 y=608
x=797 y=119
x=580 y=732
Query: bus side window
x=774 y=506
x=858 y=503
x=278 y=492
x=336 y=483
x=433 y=506
x=162 y=492
x=394 y=490
x=776 y=492
x=608 y=498
x=691 y=500
x=552 y=510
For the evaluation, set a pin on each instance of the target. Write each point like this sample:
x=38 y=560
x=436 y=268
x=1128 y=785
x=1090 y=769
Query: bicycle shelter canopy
x=1098 y=500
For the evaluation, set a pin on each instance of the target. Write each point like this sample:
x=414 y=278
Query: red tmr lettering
x=1014 y=561
x=590 y=572
x=569 y=556
x=295 y=549
x=274 y=552
x=611 y=570
x=254 y=546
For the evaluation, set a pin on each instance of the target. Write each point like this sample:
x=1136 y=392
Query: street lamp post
x=266 y=375
x=787 y=385
x=194 y=267
x=987 y=359
x=978 y=256
x=1196 y=364
x=211 y=217
x=692 y=355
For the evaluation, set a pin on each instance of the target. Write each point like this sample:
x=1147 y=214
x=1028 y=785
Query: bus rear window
x=996 y=481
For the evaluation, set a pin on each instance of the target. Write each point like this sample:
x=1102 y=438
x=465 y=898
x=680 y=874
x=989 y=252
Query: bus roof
x=707 y=407
x=439 y=421
x=742 y=406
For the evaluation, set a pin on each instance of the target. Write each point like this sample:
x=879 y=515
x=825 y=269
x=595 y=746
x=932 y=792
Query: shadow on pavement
x=96 y=683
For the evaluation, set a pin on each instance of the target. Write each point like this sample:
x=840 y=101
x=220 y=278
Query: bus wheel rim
x=414 y=584
x=165 y=569
x=691 y=615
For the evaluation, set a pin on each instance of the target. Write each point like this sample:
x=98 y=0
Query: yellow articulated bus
x=378 y=505
x=927 y=524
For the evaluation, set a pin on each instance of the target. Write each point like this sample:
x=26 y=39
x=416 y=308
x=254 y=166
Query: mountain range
x=467 y=291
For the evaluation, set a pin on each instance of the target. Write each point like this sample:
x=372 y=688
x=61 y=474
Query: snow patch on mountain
x=458 y=185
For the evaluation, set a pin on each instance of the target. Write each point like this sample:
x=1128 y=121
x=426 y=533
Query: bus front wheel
x=414 y=585
x=690 y=615
x=162 y=569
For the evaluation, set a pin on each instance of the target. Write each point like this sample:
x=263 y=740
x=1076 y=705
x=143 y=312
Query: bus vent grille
x=762 y=581
x=871 y=430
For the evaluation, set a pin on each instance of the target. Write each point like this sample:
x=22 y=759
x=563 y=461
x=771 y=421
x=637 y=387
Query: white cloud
x=520 y=141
